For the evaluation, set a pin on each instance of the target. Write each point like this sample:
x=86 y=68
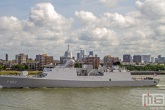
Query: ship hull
x=16 y=82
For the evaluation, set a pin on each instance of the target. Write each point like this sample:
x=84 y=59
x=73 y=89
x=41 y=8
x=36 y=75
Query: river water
x=112 y=98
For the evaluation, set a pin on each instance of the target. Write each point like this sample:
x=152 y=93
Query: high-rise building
x=21 y=58
x=90 y=53
x=137 y=58
x=127 y=58
x=44 y=59
x=109 y=60
x=146 y=58
x=95 y=61
x=82 y=53
x=78 y=56
x=160 y=59
x=152 y=59
x=6 y=57
x=67 y=55
x=34 y=65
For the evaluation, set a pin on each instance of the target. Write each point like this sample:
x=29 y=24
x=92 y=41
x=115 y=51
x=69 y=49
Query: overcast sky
x=107 y=27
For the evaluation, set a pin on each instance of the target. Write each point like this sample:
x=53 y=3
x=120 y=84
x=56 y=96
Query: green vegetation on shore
x=13 y=72
x=148 y=67
x=2 y=67
x=16 y=70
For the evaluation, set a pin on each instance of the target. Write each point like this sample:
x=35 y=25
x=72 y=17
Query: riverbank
x=147 y=72
x=18 y=72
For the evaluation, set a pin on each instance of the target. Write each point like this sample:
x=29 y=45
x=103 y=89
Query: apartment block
x=127 y=58
x=146 y=58
x=109 y=60
x=95 y=61
x=21 y=58
x=44 y=59
x=137 y=58
x=160 y=59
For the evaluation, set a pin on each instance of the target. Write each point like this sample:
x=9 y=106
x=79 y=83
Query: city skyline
x=114 y=27
x=87 y=54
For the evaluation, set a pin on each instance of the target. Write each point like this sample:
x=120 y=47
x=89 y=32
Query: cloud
x=106 y=19
x=137 y=31
x=9 y=23
x=161 y=30
x=99 y=35
x=131 y=33
x=152 y=9
x=95 y=31
x=109 y=3
x=86 y=17
x=117 y=20
x=44 y=28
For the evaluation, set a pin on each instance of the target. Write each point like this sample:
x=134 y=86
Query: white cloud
x=153 y=12
x=161 y=30
x=99 y=35
x=135 y=32
x=44 y=29
x=117 y=20
x=152 y=9
x=10 y=23
x=106 y=20
x=43 y=14
x=86 y=17
x=109 y=3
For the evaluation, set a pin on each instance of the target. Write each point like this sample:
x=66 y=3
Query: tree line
x=2 y=67
x=148 y=67
x=19 y=67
